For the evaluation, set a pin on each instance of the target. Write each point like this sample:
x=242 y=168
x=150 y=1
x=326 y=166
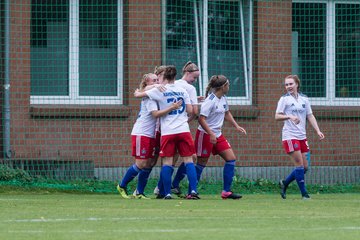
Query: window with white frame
x=216 y=35
x=326 y=50
x=76 y=52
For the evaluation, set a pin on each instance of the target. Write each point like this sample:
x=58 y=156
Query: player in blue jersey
x=143 y=137
x=294 y=109
x=209 y=138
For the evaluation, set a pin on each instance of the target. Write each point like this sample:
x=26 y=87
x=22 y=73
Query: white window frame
x=203 y=60
x=73 y=77
x=330 y=99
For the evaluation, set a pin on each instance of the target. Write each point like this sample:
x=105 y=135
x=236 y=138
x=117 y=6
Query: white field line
x=170 y=230
x=42 y=219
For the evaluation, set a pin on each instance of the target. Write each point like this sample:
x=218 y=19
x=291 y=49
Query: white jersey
x=145 y=123
x=175 y=121
x=190 y=89
x=214 y=109
x=300 y=107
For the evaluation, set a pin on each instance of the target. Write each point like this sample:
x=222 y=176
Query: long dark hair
x=216 y=82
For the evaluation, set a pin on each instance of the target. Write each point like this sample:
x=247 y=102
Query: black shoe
x=176 y=191
x=306 y=196
x=168 y=197
x=283 y=189
x=159 y=196
x=230 y=195
x=193 y=196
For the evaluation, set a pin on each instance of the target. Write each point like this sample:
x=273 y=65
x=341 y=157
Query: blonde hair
x=143 y=84
x=190 y=67
x=215 y=83
x=296 y=79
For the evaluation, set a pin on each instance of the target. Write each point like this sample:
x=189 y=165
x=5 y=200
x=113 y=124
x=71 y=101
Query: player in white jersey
x=190 y=73
x=294 y=109
x=209 y=137
x=143 y=138
x=145 y=173
x=175 y=131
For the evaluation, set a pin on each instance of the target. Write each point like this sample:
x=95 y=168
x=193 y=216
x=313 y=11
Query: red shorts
x=142 y=147
x=204 y=147
x=295 y=145
x=182 y=142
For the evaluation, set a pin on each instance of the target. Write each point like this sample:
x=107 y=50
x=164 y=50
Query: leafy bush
x=9 y=174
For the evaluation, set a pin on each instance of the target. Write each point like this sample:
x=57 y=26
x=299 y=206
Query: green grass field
x=107 y=216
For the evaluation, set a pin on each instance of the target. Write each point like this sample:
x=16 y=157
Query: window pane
x=180 y=33
x=309 y=26
x=98 y=48
x=347 y=50
x=225 y=55
x=49 y=48
x=225 y=45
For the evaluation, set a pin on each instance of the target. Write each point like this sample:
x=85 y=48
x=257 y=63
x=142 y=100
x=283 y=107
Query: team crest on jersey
x=224 y=106
x=303 y=105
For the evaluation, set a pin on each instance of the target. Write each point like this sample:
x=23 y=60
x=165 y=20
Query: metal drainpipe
x=6 y=108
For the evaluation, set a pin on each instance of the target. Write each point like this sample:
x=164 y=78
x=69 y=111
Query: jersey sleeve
x=226 y=104
x=281 y=105
x=193 y=96
x=154 y=94
x=308 y=107
x=206 y=107
x=151 y=105
x=187 y=98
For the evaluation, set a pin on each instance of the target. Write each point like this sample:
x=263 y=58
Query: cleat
x=168 y=197
x=176 y=191
x=123 y=192
x=159 y=196
x=230 y=195
x=306 y=196
x=193 y=196
x=156 y=191
x=141 y=196
x=283 y=188
x=136 y=192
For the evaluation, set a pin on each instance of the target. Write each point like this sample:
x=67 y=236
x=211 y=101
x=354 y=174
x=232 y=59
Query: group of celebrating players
x=162 y=129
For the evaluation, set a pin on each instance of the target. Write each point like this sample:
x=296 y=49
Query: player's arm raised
x=174 y=106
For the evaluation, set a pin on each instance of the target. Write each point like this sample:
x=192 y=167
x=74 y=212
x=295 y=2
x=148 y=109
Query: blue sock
x=130 y=174
x=180 y=174
x=166 y=173
x=290 y=178
x=160 y=186
x=143 y=179
x=199 y=169
x=191 y=174
x=228 y=174
x=300 y=179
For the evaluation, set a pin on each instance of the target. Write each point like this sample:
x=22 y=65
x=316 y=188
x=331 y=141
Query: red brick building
x=73 y=66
